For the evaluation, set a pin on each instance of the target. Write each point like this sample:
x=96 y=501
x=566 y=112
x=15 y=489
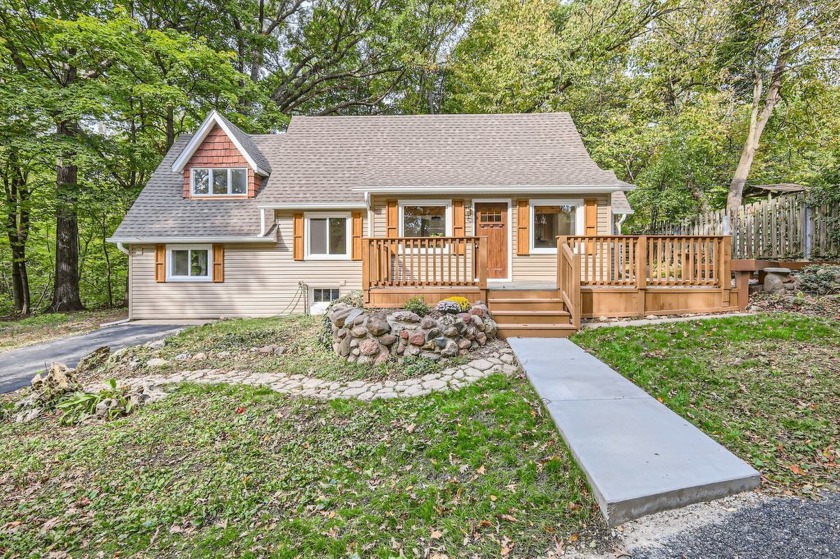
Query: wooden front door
x=491 y=221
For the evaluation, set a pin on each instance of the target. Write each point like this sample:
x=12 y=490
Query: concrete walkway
x=19 y=365
x=639 y=456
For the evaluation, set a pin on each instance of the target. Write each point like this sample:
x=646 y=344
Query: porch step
x=536 y=330
x=520 y=294
x=526 y=305
x=530 y=317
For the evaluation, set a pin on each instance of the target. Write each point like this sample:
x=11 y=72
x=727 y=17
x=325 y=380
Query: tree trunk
x=17 y=227
x=66 y=295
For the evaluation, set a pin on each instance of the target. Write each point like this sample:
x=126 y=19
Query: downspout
x=122 y=249
x=262 y=222
x=620 y=221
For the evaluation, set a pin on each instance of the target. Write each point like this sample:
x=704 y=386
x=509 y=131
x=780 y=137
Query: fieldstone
x=354 y=342
x=104 y=407
x=481 y=338
x=465 y=317
x=359 y=331
x=450 y=332
x=200 y=356
x=428 y=323
x=450 y=349
x=433 y=333
x=93 y=359
x=479 y=323
x=464 y=343
x=355 y=351
x=417 y=338
x=435 y=384
x=341 y=332
x=382 y=357
x=279 y=350
x=157 y=344
x=388 y=339
x=369 y=347
x=404 y=334
x=481 y=365
x=377 y=326
x=353 y=315
x=775 y=280
x=364 y=360
x=478 y=311
x=156 y=362
x=401 y=349
x=182 y=357
x=405 y=316
x=344 y=347
x=429 y=346
x=360 y=320
x=412 y=350
x=440 y=342
x=339 y=313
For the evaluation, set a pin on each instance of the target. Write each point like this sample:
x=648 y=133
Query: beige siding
x=534 y=267
x=260 y=280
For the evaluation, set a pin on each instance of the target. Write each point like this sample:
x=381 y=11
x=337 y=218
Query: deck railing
x=652 y=260
x=424 y=262
x=568 y=281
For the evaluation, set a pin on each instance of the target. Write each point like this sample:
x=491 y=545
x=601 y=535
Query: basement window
x=321 y=299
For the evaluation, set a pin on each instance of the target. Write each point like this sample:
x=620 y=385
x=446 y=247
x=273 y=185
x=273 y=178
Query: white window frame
x=170 y=263
x=579 y=215
x=320 y=308
x=210 y=171
x=307 y=237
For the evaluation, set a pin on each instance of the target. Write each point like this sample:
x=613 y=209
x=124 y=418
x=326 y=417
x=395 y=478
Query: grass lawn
x=43 y=327
x=230 y=344
x=766 y=386
x=224 y=471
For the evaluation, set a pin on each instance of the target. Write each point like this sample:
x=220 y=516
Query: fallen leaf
x=411 y=427
x=436 y=534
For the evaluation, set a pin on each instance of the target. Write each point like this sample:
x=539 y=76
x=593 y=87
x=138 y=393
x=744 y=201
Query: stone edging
x=452 y=378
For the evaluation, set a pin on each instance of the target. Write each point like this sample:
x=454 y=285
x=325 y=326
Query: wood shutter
x=459 y=223
x=523 y=228
x=356 y=228
x=590 y=217
x=218 y=263
x=392 y=219
x=297 y=242
x=160 y=263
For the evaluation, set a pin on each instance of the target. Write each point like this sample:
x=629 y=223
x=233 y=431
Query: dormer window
x=219 y=182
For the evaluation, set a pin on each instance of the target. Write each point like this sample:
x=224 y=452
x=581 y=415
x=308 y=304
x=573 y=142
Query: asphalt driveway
x=18 y=366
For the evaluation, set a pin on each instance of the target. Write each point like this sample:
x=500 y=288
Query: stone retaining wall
x=364 y=337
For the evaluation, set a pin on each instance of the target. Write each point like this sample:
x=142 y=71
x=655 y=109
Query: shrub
x=416 y=366
x=80 y=405
x=417 y=305
x=462 y=302
x=820 y=280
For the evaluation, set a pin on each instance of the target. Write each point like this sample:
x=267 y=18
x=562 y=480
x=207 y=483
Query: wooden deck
x=597 y=276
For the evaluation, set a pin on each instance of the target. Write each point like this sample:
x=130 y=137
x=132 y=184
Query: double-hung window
x=426 y=218
x=219 y=181
x=327 y=237
x=189 y=263
x=554 y=218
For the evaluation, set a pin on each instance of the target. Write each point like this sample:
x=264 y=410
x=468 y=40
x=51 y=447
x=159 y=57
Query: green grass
x=297 y=334
x=223 y=471
x=16 y=333
x=767 y=386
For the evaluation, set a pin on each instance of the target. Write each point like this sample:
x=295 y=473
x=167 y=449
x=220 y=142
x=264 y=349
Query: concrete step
x=557 y=330
x=639 y=456
x=531 y=317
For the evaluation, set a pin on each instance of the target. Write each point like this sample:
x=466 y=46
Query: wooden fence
x=787 y=227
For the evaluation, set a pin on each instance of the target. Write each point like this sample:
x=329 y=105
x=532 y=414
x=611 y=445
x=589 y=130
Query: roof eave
x=472 y=189
x=136 y=240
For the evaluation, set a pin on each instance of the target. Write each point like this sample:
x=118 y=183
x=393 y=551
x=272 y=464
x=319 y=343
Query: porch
x=594 y=276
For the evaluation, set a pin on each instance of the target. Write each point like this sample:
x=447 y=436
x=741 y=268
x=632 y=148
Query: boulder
x=369 y=347
x=433 y=333
x=450 y=331
x=339 y=313
x=353 y=315
x=478 y=310
x=359 y=331
x=388 y=339
x=412 y=350
x=481 y=338
x=404 y=316
x=441 y=342
x=378 y=326
x=417 y=338
x=775 y=280
x=344 y=347
x=381 y=358
x=464 y=343
x=427 y=323
x=450 y=349
x=479 y=323
x=465 y=317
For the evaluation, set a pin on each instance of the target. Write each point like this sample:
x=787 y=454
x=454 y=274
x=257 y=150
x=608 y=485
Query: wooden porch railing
x=568 y=281
x=652 y=260
x=424 y=262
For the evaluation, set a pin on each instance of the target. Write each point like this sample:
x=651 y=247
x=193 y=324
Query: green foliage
x=417 y=305
x=764 y=386
x=78 y=406
x=820 y=280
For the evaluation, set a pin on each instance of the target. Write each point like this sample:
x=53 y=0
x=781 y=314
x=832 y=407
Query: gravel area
x=750 y=526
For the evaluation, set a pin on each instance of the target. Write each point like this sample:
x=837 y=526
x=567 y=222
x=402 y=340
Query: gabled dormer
x=221 y=161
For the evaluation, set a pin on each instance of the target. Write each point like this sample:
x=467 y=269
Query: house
x=236 y=224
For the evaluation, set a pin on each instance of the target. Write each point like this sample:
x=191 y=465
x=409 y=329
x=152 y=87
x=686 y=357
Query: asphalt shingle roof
x=333 y=159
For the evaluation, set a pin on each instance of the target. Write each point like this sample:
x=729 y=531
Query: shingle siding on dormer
x=217 y=150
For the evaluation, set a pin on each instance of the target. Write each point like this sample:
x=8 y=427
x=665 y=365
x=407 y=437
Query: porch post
x=482 y=263
x=560 y=242
x=641 y=270
x=366 y=269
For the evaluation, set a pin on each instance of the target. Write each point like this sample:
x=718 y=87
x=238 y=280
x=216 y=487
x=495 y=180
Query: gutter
x=315 y=206
x=511 y=189
x=162 y=240
x=121 y=248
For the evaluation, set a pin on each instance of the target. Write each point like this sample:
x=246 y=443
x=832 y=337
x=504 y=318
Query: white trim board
x=199 y=137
